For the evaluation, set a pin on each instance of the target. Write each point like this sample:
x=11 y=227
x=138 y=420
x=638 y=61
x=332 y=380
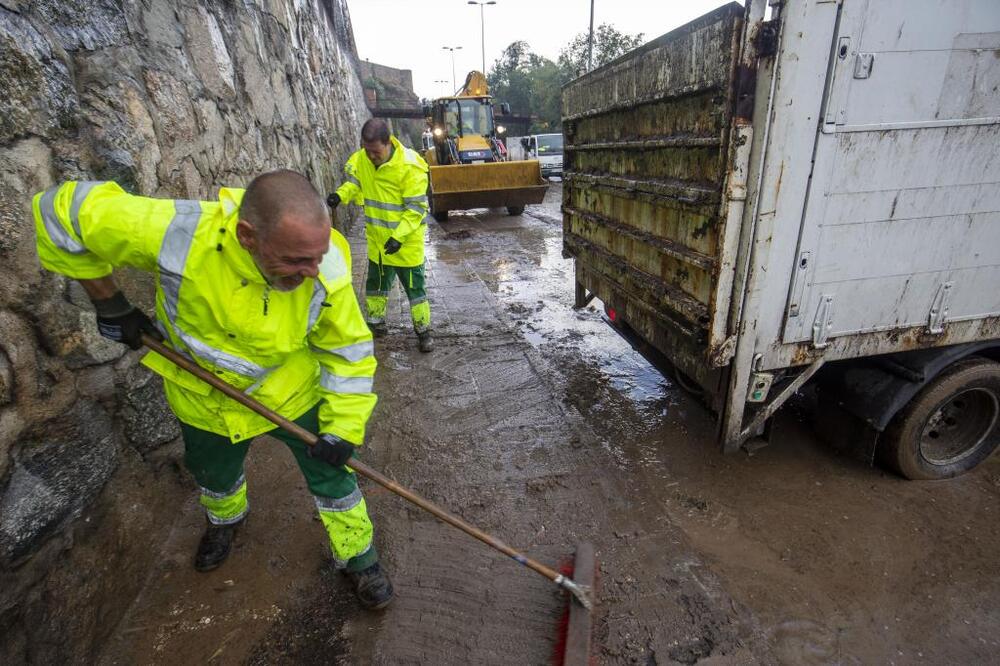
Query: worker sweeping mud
x=390 y=181
x=256 y=289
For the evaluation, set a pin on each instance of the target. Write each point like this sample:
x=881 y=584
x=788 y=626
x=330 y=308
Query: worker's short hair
x=274 y=194
x=375 y=129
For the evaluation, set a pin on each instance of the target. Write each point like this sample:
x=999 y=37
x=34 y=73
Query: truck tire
x=950 y=426
x=515 y=210
x=441 y=215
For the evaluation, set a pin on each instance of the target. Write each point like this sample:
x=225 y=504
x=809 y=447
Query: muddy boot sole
x=215 y=546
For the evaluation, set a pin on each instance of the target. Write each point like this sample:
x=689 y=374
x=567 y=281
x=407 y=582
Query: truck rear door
x=902 y=222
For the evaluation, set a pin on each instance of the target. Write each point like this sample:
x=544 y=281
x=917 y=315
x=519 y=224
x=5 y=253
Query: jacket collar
x=397 y=154
x=236 y=256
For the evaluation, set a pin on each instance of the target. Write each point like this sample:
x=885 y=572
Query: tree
x=609 y=43
x=509 y=78
x=530 y=83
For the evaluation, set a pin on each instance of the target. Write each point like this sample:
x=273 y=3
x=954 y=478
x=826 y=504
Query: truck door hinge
x=938 y=314
x=823 y=322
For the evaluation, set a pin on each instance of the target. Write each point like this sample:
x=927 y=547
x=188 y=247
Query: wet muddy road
x=539 y=424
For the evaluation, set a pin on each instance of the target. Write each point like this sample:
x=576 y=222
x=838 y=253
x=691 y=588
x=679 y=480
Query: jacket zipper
x=267 y=298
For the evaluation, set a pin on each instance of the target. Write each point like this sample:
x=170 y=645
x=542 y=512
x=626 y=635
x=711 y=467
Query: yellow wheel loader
x=468 y=161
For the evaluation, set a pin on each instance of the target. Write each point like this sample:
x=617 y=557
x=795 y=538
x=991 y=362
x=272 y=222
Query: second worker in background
x=390 y=181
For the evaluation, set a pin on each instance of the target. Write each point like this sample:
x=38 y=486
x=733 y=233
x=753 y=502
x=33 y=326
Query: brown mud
x=539 y=424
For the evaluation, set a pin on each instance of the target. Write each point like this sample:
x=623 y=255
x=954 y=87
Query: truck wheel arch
x=877 y=389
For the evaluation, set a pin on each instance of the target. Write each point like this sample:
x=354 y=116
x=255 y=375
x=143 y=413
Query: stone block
x=149 y=422
x=59 y=468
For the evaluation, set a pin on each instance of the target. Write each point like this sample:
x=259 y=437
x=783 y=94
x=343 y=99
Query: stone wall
x=170 y=98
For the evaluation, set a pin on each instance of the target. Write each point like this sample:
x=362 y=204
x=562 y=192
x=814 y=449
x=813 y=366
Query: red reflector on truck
x=612 y=314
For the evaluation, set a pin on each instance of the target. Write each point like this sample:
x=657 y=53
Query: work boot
x=379 y=330
x=214 y=547
x=425 y=341
x=372 y=586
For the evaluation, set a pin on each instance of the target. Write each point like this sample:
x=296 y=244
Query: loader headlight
x=501 y=129
x=438 y=132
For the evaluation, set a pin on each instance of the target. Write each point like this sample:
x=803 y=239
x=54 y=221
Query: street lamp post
x=452 y=49
x=590 y=39
x=444 y=81
x=482 y=26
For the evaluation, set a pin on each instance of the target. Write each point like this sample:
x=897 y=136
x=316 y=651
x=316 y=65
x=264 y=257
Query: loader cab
x=464 y=131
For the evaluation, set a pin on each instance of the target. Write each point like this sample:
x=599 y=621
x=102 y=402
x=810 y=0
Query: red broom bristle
x=562 y=626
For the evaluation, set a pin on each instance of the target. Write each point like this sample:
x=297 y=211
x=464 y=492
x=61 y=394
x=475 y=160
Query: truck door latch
x=938 y=314
x=823 y=323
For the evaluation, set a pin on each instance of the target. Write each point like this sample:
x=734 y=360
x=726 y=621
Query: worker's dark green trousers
x=217 y=466
x=379 y=284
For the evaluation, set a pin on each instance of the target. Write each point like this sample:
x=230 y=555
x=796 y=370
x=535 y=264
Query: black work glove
x=331 y=449
x=333 y=200
x=392 y=246
x=119 y=320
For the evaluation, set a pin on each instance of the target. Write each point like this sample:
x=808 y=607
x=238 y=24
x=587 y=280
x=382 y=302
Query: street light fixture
x=482 y=26
x=444 y=81
x=452 y=49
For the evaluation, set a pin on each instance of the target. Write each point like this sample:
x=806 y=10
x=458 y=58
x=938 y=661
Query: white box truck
x=805 y=192
x=546 y=148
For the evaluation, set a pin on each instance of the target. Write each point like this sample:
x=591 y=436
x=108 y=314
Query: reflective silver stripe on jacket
x=80 y=193
x=333 y=267
x=341 y=384
x=339 y=504
x=380 y=223
x=57 y=233
x=235 y=488
x=350 y=353
x=354 y=180
x=315 y=304
x=416 y=204
x=173 y=255
x=381 y=205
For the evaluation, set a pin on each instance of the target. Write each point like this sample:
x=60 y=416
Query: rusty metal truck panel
x=645 y=165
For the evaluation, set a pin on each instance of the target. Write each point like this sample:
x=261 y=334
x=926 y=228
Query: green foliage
x=532 y=84
x=609 y=44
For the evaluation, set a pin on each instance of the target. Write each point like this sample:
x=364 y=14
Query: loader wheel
x=950 y=426
x=515 y=210
x=441 y=216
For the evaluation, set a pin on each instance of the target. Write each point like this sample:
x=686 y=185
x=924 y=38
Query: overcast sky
x=410 y=34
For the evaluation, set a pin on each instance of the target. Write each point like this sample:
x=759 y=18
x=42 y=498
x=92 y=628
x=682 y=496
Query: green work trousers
x=379 y=284
x=217 y=466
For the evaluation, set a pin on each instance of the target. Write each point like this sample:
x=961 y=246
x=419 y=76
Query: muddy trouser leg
x=377 y=287
x=413 y=283
x=338 y=499
x=217 y=466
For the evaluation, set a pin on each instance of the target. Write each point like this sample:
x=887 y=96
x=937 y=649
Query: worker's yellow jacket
x=394 y=196
x=289 y=350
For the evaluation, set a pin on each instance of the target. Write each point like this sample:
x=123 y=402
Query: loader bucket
x=487 y=185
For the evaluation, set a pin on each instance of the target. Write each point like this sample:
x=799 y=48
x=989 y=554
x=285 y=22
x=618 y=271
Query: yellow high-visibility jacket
x=394 y=196
x=289 y=350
